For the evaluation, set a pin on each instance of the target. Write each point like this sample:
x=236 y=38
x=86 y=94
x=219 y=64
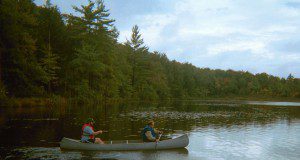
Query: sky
x=256 y=36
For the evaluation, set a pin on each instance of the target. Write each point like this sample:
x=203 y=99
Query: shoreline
x=62 y=101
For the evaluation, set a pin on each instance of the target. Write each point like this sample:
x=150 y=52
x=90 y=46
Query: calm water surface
x=216 y=129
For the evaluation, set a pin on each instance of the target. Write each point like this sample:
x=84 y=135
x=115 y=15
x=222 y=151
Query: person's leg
x=99 y=141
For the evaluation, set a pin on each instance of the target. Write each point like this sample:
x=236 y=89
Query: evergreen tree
x=50 y=65
x=49 y=23
x=137 y=47
x=95 y=28
x=87 y=68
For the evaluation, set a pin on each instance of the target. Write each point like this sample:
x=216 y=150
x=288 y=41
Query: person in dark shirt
x=150 y=134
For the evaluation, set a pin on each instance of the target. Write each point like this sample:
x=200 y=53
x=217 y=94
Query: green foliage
x=136 y=42
x=138 y=58
x=2 y=92
x=78 y=57
x=22 y=74
x=86 y=68
x=50 y=65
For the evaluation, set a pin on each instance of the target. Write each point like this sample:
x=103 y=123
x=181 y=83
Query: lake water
x=216 y=129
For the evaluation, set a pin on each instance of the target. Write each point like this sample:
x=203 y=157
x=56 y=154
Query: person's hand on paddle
x=99 y=132
x=156 y=140
x=160 y=132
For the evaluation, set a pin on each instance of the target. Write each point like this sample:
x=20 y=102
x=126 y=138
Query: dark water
x=216 y=129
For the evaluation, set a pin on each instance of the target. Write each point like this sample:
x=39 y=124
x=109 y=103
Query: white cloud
x=289 y=12
x=256 y=42
x=290 y=57
x=256 y=47
x=124 y=35
x=196 y=6
x=152 y=27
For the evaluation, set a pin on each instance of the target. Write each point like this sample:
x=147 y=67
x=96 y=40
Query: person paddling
x=88 y=133
x=149 y=134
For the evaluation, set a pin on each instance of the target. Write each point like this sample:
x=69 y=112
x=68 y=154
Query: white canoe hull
x=179 y=142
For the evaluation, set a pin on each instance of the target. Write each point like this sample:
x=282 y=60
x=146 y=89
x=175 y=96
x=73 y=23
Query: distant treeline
x=44 y=53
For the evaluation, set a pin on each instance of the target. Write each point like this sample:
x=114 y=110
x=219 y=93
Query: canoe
x=179 y=142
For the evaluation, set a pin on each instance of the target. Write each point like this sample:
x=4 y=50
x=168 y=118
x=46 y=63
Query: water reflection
x=217 y=130
x=56 y=153
x=274 y=103
x=276 y=141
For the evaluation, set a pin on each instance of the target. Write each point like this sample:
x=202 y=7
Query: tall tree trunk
x=49 y=52
x=133 y=74
x=1 y=62
x=1 y=51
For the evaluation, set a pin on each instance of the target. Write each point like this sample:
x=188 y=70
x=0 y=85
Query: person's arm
x=97 y=132
x=89 y=131
x=149 y=136
x=157 y=131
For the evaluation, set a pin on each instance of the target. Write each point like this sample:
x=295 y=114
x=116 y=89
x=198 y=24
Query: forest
x=45 y=53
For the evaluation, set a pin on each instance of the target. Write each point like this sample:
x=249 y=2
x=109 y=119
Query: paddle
x=158 y=140
x=104 y=131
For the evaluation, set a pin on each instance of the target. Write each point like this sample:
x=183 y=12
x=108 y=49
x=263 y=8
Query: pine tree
x=137 y=46
x=95 y=28
x=49 y=60
x=87 y=69
x=136 y=42
x=290 y=77
x=50 y=65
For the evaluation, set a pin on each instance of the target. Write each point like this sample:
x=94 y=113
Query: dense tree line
x=44 y=53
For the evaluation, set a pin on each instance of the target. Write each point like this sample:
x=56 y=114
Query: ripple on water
x=56 y=153
x=276 y=141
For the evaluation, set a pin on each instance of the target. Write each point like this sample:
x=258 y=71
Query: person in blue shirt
x=149 y=134
x=88 y=133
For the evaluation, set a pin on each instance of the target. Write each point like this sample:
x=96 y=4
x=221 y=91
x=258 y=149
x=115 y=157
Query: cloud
x=293 y=4
x=257 y=42
x=256 y=47
x=153 y=27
